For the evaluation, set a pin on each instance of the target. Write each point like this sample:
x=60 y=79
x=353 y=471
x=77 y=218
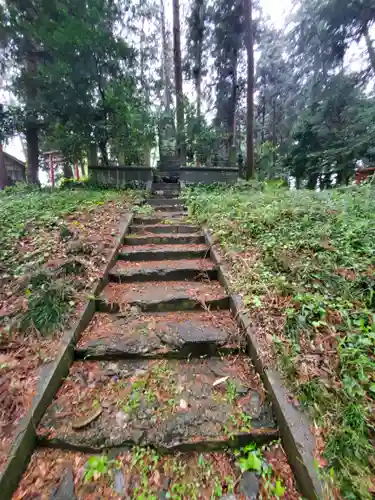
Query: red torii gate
x=364 y=173
x=55 y=159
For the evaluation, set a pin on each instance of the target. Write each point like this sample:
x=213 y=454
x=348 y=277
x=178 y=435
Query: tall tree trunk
x=32 y=141
x=92 y=155
x=31 y=133
x=312 y=180
x=232 y=121
x=4 y=179
x=68 y=171
x=274 y=138
x=370 y=47
x=198 y=85
x=165 y=67
x=181 y=147
x=262 y=134
x=250 y=167
x=198 y=67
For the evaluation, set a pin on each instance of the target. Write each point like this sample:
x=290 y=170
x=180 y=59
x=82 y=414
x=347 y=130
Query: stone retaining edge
x=298 y=441
x=25 y=441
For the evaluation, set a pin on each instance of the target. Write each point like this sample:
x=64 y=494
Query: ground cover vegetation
x=53 y=247
x=304 y=265
x=143 y=473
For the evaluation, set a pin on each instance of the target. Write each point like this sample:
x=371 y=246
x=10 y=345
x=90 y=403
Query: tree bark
x=181 y=147
x=198 y=69
x=32 y=141
x=250 y=168
x=370 y=47
x=312 y=180
x=164 y=67
x=198 y=86
x=4 y=179
x=262 y=134
x=274 y=138
x=232 y=121
x=92 y=155
x=68 y=171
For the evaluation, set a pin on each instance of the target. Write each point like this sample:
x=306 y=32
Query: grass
x=24 y=209
x=304 y=265
x=192 y=476
x=33 y=229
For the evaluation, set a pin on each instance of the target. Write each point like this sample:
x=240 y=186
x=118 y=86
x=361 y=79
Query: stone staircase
x=162 y=365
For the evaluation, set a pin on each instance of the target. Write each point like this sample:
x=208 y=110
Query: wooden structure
x=15 y=168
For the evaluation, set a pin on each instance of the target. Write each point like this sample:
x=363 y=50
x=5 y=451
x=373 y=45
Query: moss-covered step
x=163 y=296
x=144 y=473
x=165 y=239
x=174 y=335
x=163 y=229
x=165 y=270
x=163 y=252
x=172 y=405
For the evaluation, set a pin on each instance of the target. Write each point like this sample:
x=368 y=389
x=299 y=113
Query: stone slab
x=163 y=296
x=180 y=335
x=125 y=272
x=161 y=252
x=174 y=239
x=170 y=405
x=164 y=229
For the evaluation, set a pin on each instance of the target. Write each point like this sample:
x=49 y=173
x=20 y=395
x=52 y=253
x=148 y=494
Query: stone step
x=163 y=229
x=166 y=218
x=179 y=335
x=163 y=296
x=167 y=239
x=170 y=405
x=167 y=207
x=160 y=201
x=161 y=252
x=162 y=186
x=165 y=270
x=167 y=476
x=167 y=195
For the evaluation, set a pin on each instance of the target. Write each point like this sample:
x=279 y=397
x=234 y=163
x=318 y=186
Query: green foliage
x=145 y=209
x=99 y=466
x=81 y=88
x=315 y=250
x=48 y=304
x=24 y=209
x=250 y=458
x=332 y=133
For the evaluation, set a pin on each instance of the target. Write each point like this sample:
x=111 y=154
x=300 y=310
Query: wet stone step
x=172 y=239
x=168 y=207
x=144 y=473
x=163 y=252
x=159 y=201
x=163 y=228
x=131 y=334
x=125 y=272
x=172 y=405
x=171 y=218
x=163 y=296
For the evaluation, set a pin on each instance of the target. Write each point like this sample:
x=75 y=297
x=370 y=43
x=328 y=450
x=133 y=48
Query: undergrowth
x=29 y=220
x=311 y=256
